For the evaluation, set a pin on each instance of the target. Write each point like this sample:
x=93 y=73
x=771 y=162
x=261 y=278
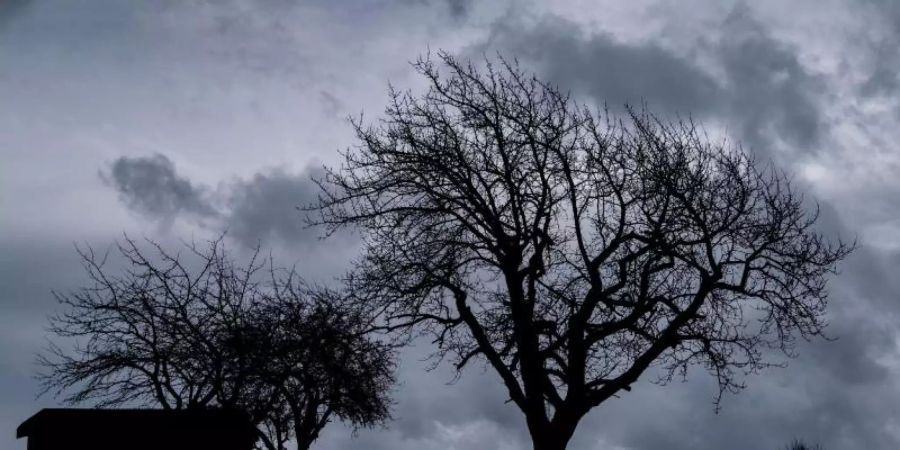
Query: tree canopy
x=571 y=249
x=200 y=331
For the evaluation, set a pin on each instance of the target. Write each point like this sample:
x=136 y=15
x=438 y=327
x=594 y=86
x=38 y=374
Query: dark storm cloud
x=263 y=210
x=600 y=66
x=756 y=85
x=767 y=91
x=268 y=207
x=151 y=186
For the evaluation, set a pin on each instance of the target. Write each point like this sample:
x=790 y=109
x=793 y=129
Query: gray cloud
x=265 y=209
x=753 y=83
x=268 y=207
x=601 y=67
x=767 y=91
x=151 y=186
x=208 y=79
x=458 y=9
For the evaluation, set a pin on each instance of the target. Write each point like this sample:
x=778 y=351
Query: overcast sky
x=174 y=119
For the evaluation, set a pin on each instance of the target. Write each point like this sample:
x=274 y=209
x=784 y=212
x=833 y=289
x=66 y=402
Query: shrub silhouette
x=801 y=445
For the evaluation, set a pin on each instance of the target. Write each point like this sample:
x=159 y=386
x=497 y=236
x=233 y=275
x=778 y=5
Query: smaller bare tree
x=207 y=333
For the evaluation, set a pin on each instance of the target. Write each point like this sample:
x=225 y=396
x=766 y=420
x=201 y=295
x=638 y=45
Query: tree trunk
x=555 y=436
x=305 y=435
x=305 y=441
x=550 y=440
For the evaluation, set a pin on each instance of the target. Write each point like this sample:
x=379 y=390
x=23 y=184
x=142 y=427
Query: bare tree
x=206 y=333
x=570 y=250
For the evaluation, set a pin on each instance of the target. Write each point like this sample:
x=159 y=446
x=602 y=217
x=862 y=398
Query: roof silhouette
x=52 y=429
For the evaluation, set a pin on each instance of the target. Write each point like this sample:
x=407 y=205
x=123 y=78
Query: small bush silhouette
x=800 y=445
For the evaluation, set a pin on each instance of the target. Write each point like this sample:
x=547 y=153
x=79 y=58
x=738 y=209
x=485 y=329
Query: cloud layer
x=739 y=75
x=267 y=209
x=208 y=116
x=151 y=186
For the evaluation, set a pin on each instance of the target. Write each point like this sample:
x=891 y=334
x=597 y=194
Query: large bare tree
x=571 y=250
x=197 y=331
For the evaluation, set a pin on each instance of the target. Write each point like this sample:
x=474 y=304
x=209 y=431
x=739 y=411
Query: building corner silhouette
x=137 y=429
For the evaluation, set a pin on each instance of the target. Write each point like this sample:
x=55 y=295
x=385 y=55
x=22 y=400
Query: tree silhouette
x=204 y=332
x=570 y=250
x=801 y=445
